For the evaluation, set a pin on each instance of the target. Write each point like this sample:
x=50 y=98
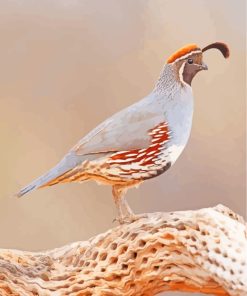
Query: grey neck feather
x=168 y=83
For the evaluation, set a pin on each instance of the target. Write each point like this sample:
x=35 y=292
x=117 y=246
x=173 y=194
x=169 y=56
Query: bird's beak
x=204 y=66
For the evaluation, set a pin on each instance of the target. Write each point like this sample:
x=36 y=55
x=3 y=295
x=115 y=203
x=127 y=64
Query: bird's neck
x=169 y=81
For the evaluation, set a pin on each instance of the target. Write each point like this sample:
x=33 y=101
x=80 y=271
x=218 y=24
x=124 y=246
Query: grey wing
x=126 y=130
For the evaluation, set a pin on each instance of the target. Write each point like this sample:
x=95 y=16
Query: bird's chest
x=179 y=118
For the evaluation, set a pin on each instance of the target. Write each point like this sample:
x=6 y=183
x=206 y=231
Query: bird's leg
x=125 y=205
x=125 y=213
x=117 y=199
x=130 y=216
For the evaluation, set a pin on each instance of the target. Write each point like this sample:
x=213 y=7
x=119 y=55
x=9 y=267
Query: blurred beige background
x=66 y=65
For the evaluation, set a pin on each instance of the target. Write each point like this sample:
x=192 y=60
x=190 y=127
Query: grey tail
x=66 y=164
x=37 y=183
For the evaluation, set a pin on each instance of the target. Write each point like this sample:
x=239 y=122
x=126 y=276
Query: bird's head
x=188 y=60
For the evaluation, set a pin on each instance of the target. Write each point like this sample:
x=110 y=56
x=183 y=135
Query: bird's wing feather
x=126 y=130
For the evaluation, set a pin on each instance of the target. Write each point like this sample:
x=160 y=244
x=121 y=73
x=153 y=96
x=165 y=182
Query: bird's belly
x=132 y=167
x=174 y=152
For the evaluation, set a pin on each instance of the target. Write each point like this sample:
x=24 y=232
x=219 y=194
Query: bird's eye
x=190 y=61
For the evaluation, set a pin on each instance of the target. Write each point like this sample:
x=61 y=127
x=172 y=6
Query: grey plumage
x=125 y=130
x=139 y=142
x=67 y=163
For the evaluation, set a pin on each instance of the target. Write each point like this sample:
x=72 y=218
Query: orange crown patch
x=182 y=51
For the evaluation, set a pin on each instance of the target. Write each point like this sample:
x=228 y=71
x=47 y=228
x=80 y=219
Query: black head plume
x=222 y=47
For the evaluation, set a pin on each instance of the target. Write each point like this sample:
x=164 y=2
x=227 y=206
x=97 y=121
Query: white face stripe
x=187 y=55
x=181 y=70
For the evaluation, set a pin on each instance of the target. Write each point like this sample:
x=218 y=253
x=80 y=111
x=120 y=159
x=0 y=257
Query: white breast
x=179 y=116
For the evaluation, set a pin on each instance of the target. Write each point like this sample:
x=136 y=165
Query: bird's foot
x=127 y=219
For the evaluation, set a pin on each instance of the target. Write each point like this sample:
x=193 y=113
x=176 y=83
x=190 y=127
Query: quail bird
x=140 y=142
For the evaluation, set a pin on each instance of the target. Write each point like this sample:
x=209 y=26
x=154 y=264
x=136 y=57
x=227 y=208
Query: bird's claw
x=126 y=219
